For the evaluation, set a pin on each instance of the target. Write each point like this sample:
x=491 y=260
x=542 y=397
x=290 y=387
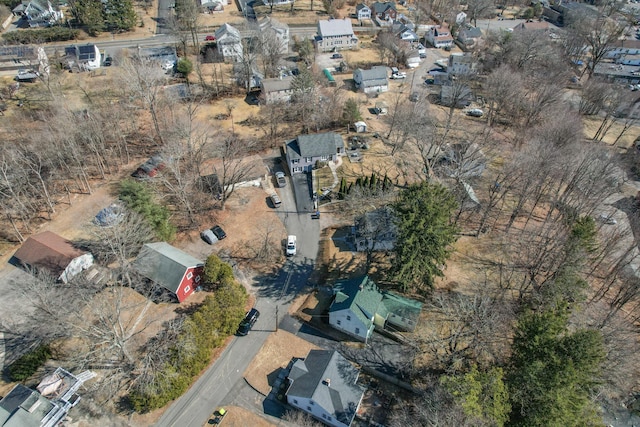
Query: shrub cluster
x=41 y=35
x=190 y=353
x=29 y=363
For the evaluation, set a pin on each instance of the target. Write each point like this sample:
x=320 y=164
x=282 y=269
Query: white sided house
x=335 y=34
x=86 y=57
x=278 y=29
x=229 y=43
x=323 y=385
x=371 y=81
x=360 y=306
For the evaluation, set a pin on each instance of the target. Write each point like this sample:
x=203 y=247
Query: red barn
x=171 y=268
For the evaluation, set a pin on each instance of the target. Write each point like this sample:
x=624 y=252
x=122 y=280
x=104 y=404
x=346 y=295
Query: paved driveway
x=301 y=183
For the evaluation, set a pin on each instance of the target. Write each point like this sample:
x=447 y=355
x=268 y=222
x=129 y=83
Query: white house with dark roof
x=306 y=150
x=169 y=267
x=363 y=12
x=276 y=90
x=371 y=81
x=85 y=56
x=279 y=29
x=229 y=43
x=335 y=34
x=38 y=13
x=324 y=385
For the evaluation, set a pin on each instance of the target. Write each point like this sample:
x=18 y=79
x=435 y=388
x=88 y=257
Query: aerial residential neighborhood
x=306 y=213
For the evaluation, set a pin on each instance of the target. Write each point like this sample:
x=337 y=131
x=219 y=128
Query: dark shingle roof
x=379 y=7
x=320 y=144
x=376 y=76
x=328 y=379
x=87 y=52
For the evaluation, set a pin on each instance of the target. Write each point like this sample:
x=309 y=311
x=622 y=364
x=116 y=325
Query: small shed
x=360 y=127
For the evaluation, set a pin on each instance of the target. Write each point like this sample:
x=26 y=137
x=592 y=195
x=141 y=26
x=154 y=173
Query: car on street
x=336 y=56
x=210 y=38
x=208 y=237
x=291 y=245
x=280 y=178
x=219 y=232
x=275 y=200
x=247 y=323
x=217 y=417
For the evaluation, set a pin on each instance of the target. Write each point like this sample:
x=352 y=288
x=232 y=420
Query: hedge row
x=41 y=35
x=203 y=331
x=29 y=363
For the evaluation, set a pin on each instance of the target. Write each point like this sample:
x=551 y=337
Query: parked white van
x=291 y=245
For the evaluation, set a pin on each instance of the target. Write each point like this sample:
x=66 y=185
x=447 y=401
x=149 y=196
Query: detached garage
x=55 y=254
x=171 y=268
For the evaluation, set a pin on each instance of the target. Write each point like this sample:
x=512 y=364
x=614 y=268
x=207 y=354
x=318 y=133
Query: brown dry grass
x=275 y=354
x=240 y=417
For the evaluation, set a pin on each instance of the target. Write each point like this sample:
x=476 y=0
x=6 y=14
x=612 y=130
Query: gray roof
x=164 y=264
x=320 y=144
x=335 y=27
x=376 y=76
x=23 y=407
x=471 y=32
x=328 y=379
x=361 y=6
x=227 y=30
x=269 y=22
x=277 y=85
x=379 y=7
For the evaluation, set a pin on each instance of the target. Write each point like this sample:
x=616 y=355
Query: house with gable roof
x=363 y=12
x=360 y=306
x=439 y=36
x=385 y=11
x=229 y=43
x=169 y=267
x=55 y=254
x=304 y=151
x=279 y=29
x=323 y=385
x=335 y=34
x=468 y=35
x=46 y=407
x=371 y=81
x=38 y=13
x=276 y=90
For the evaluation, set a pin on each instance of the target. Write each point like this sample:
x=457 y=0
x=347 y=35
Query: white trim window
x=187 y=288
x=189 y=275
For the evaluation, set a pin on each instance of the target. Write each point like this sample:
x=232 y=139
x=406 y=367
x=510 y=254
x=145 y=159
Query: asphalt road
x=221 y=383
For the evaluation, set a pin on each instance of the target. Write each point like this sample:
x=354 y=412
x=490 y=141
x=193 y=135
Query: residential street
x=216 y=386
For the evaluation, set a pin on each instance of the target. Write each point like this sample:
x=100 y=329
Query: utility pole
x=276 y=318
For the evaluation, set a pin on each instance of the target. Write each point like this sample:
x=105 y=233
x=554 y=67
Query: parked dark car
x=247 y=323
x=108 y=61
x=210 y=38
x=150 y=168
x=336 y=56
x=219 y=232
